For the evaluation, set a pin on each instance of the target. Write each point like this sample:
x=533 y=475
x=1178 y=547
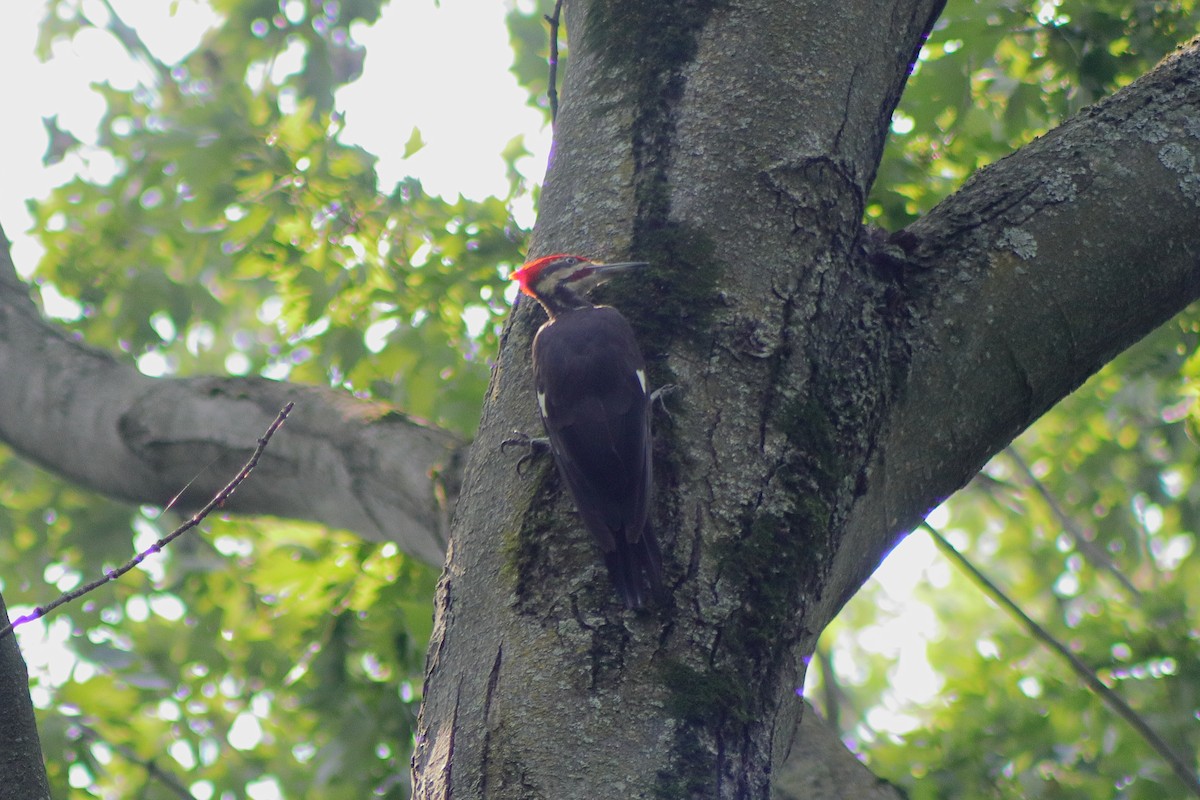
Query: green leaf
x=414 y=143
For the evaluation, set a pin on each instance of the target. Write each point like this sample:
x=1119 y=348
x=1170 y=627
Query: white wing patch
x=541 y=396
x=641 y=375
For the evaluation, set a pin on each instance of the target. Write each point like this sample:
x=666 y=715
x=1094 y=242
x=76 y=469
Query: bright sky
x=440 y=67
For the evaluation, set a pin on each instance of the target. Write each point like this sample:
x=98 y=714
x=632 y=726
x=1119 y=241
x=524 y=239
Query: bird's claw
x=660 y=394
x=534 y=447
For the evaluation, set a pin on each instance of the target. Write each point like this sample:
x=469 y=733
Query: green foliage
x=246 y=650
x=996 y=74
x=1100 y=545
x=236 y=233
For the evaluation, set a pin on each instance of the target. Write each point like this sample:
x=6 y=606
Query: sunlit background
x=437 y=102
x=465 y=116
x=466 y=113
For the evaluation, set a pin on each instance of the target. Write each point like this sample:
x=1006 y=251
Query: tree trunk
x=22 y=773
x=735 y=155
x=834 y=385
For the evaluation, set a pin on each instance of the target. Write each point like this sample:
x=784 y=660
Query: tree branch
x=152 y=769
x=97 y=421
x=218 y=501
x=821 y=766
x=552 y=91
x=1026 y=281
x=1094 y=554
x=1182 y=771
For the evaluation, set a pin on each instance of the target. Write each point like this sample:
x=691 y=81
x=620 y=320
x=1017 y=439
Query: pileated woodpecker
x=591 y=392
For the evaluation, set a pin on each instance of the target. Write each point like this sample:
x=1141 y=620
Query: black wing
x=592 y=394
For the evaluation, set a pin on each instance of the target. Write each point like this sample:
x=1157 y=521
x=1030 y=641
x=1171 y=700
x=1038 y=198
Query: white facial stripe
x=641 y=373
x=541 y=396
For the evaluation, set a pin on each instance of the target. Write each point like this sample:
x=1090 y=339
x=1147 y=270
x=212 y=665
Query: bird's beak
x=609 y=270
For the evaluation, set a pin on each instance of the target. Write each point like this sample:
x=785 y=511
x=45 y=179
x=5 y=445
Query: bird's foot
x=534 y=447
x=660 y=394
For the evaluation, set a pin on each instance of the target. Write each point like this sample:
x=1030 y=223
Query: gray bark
x=22 y=773
x=821 y=768
x=99 y=422
x=835 y=386
x=734 y=155
x=1025 y=282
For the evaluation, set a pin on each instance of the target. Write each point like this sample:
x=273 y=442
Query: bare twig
x=552 y=92
x=1086 y=546
x=218 y=500
x=1085 y=673
x=152 y=769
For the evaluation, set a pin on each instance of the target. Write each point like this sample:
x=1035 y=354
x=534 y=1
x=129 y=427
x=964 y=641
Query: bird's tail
x=635 y=568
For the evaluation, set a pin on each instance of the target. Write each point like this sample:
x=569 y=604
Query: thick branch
x=1028 y=280
x=102 y=424
x=820 y=766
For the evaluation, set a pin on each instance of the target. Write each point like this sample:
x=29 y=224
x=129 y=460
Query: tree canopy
x=239 y=236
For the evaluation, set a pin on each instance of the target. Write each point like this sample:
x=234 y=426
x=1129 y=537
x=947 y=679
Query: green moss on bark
x=674 y=299
x=524 y=546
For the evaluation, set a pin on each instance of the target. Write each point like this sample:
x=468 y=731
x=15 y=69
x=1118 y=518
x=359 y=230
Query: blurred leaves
x=237 y=234
x=1113 y=504
x=414 y=143
x=223 y=227
x=60 y=142
x=232 y=232
x=995 y=74
x=1099 y=546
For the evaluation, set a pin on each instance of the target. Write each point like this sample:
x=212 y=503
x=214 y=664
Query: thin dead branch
x=217 y=501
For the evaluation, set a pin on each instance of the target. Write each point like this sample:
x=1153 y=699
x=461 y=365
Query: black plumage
x=592 y=394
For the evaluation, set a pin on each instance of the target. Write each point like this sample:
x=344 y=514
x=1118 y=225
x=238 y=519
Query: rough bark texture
x=22 y=773
x=101 y=423
x=734 y=155
x=834 y=385
x=821 y=768
x=1037 y=272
